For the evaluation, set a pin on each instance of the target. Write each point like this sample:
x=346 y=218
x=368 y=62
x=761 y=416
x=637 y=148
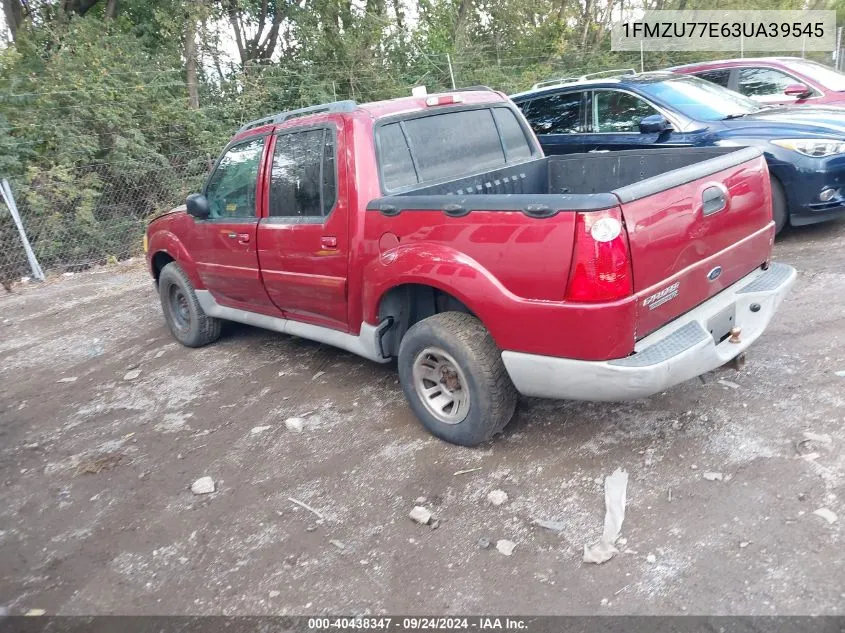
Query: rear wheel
x=186 y=319
x=454 y=380
x=779 y=213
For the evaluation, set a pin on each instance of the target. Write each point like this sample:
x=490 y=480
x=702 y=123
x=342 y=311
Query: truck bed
x=696 y=217
x=623 y=173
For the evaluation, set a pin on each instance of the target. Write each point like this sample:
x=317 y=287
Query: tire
x=779 y=212
x=457 y=350
x=185 y=318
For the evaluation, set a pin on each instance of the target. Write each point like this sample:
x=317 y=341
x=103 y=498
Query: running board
x=366 y=344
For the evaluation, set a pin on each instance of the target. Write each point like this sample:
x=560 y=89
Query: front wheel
x=454 y=380
x=189 y=324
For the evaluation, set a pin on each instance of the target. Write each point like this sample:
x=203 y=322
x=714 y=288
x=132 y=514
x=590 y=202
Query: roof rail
x=281 y=117
x=554 y=82
x=472 y=88
x=569 y=80
x=614 y=71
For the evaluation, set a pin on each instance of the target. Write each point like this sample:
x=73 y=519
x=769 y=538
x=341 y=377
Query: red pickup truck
x=434 y=231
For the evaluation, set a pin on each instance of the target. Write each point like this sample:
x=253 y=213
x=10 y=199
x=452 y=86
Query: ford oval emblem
x=713 y=275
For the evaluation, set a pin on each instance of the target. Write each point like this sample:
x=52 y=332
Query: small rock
x=295 y=424
x=274 y=594
x=693 y=467
x=133 y=366
x=827 y=515
x=621 y=541
x=144 y=474
x=420 y=515
x=497 y=497
x=203 y=486
x=711 y=476
x=159 y=353
x=728 y=383
x=68 y=379
x=258 y=429
x=505 y=546
x=435 y=523
x=554 y=526
x=420 y=500
x=651 y=558
x=604 y=602
x=35 y=612
x=311 y=528
x=744 y=544
x=338 y=544
x=132 y=375
x=318 y=374
x=484 y=543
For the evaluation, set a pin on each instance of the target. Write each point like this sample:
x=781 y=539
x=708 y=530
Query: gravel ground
x=97 y=516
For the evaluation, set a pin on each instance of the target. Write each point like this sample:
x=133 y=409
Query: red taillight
x=601 y=262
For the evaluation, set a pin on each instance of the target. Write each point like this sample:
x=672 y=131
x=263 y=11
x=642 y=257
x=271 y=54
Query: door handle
x=713 y=200
x=328 y=241
x=243 y=238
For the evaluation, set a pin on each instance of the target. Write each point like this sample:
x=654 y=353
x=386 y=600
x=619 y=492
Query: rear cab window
x=441 y=146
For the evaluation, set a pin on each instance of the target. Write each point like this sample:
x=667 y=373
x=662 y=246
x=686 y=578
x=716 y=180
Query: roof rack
x=472 y=88
x=569 y=80
x=281 y=117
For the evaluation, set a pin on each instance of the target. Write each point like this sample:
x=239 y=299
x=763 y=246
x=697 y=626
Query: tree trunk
x=111 y=9
x=191 y=61
x=13 y=12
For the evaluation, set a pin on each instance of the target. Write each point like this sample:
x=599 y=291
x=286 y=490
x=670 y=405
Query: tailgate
x=696 y=230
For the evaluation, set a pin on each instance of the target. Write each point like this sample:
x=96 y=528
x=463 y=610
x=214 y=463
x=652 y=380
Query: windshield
x=700 y=100
x=827 y=77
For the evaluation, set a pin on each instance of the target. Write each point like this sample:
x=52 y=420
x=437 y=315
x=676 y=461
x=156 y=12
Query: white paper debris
x=711 y=476
x=827 y=515
x=817 y=437
x=615 y=492
x=505 y=546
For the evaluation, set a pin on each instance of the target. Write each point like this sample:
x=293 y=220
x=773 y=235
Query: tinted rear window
x=449 y=145
x=516 y=145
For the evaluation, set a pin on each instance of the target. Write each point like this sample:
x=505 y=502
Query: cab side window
x=231 y=188
x=555 y=114
x=720 y=76
x=763 y=82
x=616 y=111
x=304 y=178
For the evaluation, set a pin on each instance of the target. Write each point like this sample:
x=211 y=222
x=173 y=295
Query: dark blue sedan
x=805 y=148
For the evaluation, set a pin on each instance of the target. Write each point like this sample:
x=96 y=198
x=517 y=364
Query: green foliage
x=97 y=132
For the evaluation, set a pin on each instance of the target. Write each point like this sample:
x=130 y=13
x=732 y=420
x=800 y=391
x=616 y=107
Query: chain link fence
x=84 y=217
x=87 y=215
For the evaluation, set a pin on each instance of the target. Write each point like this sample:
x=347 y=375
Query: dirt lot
x=96 y=515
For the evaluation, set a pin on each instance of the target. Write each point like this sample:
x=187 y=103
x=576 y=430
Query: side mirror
x=797 y=90
x=654 y=124
x=198 y=206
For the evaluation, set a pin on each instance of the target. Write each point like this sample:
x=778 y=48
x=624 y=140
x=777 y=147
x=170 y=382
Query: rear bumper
x=678 y=351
